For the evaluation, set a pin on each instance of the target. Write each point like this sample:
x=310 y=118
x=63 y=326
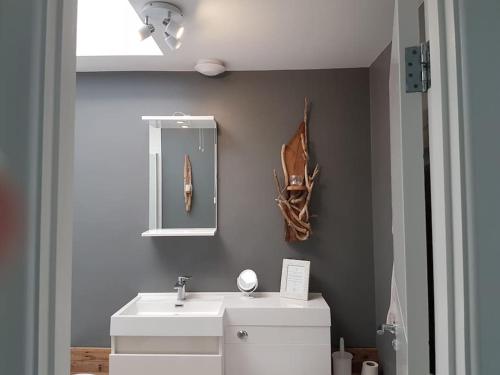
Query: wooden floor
x=96 y=360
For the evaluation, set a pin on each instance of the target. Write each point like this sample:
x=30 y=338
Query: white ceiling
x=109 y=28
x=246 y=34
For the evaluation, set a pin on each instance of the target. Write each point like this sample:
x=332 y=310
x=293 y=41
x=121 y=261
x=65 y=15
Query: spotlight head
x=146 y=31
x=174 y=29
x=172 y=42
x=180 y=32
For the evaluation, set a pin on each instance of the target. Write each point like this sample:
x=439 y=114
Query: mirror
x=247 y=282
x=182 y=176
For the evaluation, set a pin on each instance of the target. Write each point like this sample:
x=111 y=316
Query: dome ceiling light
x=210 y=67
x=160 y=15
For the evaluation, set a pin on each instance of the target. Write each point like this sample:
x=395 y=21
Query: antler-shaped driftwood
x=295 y=195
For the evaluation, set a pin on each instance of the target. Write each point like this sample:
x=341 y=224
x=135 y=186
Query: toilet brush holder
x=342 y=363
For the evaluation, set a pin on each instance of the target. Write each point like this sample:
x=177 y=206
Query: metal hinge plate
x=418 y=68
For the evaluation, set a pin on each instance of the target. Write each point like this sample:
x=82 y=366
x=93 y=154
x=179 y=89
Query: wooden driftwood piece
x=294 y=195
x=188 y=183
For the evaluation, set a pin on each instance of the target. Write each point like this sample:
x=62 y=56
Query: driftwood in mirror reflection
x=188 y=183
x=294 y=195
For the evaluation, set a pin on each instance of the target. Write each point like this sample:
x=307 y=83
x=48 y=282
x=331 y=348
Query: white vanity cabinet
x=270 y=335
x=221 y=334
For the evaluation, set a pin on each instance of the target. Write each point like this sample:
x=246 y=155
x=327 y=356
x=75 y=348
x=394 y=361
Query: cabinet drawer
x=193 y=345
x=156 y=364
x=269 y=335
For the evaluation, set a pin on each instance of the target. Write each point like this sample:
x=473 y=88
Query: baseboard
x=96 y=360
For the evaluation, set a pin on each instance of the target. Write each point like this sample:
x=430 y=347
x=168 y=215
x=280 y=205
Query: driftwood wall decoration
x=188 y=183
x=294 y=195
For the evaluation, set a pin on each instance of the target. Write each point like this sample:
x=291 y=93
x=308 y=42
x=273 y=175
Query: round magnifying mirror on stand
x=247 y=282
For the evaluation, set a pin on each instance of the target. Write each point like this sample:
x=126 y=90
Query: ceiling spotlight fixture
x=158 y=13
x=210 y=67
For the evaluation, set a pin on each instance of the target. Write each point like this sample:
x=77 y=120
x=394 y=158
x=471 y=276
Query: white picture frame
x=295 y=279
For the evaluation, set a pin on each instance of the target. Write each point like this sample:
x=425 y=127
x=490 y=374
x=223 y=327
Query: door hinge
x=418 y=68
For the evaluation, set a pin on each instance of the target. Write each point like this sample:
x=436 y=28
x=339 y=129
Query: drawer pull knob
x=242 y=334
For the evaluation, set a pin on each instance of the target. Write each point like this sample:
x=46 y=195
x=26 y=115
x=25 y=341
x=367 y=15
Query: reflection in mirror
x=183 y=176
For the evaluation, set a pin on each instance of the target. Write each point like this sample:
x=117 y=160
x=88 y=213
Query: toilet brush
x=342 y=361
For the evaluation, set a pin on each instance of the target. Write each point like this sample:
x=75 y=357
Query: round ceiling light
x=210 y=67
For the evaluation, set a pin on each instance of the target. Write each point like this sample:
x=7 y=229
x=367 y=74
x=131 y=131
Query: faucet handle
x=182 y=279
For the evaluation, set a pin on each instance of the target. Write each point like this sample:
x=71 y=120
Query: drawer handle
x=242 y=334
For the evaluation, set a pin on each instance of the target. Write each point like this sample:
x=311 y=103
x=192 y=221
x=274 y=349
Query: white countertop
x=259 y=299
x=269 y=309
x=153 y=314
x=266 y=308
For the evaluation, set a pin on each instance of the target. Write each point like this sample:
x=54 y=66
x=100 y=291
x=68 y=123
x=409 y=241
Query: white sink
x=158 y=315
x=166 y=306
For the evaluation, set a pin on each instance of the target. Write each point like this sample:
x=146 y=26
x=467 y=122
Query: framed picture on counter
x=295 y=279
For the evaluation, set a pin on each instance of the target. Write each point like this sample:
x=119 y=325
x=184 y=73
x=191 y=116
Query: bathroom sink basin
x=158 y=315
x=166 y=306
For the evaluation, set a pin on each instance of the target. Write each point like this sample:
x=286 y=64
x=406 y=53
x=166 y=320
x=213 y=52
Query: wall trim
x=56 y=214
x=450 y=210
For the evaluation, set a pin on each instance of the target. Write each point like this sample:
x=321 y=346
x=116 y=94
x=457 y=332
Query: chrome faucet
x=180 y=286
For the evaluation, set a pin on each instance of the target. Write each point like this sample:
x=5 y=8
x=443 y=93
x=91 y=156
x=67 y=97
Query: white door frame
x=451 y=261
x=56 y=216
x=409 y=282
x=448 y=179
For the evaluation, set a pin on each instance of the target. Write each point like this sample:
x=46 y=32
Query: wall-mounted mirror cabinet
x=182 y=176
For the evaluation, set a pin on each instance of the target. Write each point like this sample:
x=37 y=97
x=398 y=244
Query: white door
x=408 y=202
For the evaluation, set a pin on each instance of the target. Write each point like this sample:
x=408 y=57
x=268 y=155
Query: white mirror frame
x=155 y=176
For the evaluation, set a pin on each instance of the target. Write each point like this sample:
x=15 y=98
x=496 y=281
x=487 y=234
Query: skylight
x=109 y=28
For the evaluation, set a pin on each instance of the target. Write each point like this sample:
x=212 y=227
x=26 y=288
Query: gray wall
x=256 y=112
x=381 y=199
x=479 y=31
